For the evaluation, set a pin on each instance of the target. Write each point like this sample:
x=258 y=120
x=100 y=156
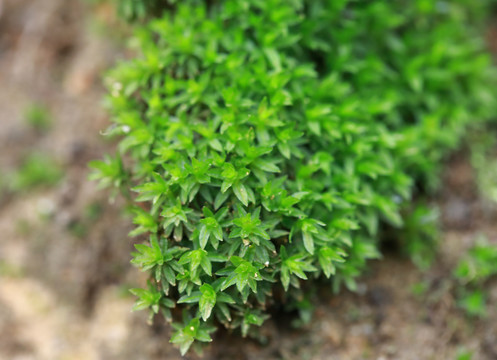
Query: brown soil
x=64 y=274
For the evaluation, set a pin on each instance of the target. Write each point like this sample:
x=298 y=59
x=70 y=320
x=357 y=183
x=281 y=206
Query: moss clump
x=267 y=139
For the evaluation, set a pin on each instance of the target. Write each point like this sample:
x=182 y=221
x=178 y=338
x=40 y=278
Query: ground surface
x=64 y=250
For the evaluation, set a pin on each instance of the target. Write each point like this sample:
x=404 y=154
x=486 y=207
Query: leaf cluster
x=473 y=271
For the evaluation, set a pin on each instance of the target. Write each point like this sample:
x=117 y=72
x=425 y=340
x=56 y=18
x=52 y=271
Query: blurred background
x=64 y=249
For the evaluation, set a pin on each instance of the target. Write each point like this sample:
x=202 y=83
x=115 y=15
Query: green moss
x=472 y=273
x=37 y=170
x=268 y=140
x=38 y=117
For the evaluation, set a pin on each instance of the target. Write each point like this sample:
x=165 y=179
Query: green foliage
x=110 y=172
x=472 y=272
x=484 y=161
x=36 y=170
x=464 y=354
x=38 y=117
x=138 y=10
x=267 y=140
x=193 y=330
x=419 y=235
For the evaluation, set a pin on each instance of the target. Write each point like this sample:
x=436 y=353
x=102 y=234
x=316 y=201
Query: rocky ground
x=64 y=250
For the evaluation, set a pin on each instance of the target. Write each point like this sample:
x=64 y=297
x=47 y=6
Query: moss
x=267 y=141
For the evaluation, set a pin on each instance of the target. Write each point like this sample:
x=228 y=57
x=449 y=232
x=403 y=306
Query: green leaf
x=190 y=299
x=266 y=165
x=206 y=265
x=207 y=301
x=241 y=193
x=308 y=242
x=221 y=197
x=204 y=236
